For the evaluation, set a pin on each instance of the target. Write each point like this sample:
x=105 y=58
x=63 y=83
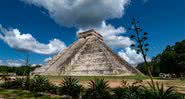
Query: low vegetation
x=97 y=89
x=22 y=94
x=20 y=71
x=70 y=86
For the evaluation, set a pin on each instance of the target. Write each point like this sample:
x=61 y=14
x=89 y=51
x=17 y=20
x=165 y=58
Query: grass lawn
x=21 y=94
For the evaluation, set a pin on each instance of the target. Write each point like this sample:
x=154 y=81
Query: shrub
x=70 y=86
x=36 y=84
x=98 y=89
x=52 y=89
x=7 y=84
x=16 y=84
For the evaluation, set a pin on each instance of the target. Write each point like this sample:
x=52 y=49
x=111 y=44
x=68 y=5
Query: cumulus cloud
x=88 y=14
x=18 y=62
x=112 y=36
x=131 y=56
x=21 y=41
x=1 y=62
x=47 y=59
x=33 y=65
x=81 y=13
x=15 y=62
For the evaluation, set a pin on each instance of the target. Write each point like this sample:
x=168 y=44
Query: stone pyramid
x=88 y=56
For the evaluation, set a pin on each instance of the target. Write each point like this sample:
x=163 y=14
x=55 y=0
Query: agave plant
x=39 y=84
x=98 y=89
x=70 y=86
x=158 y=91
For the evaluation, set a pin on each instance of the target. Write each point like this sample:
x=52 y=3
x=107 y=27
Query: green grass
x=87 y=78
x=21 y=94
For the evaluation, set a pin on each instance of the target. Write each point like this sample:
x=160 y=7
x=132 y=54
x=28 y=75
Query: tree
x=171 y=60
x=140 y=46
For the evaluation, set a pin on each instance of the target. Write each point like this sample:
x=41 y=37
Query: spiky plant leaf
x=98 y=89
x=146 y=49
x=132 y=45
x=70 y=86
x=145 y=33
x=144 y=38
x=146 y=44
x=132 y=36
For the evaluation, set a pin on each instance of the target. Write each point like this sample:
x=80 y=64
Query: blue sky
x=164 y=20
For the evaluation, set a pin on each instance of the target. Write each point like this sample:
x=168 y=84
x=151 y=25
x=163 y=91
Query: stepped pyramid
x=88 y=56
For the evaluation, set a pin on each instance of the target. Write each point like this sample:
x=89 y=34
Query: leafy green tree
x=171 y=60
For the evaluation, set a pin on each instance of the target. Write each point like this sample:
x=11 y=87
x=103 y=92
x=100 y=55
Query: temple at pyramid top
x=88 y=56
x=89 y=33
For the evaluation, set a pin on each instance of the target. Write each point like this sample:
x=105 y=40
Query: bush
x=36 y=84
x=8 y=84
x=16 y=84
x=70 y=86
x=52 y=89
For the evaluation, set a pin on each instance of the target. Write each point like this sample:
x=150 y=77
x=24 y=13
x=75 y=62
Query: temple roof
x=88 y=33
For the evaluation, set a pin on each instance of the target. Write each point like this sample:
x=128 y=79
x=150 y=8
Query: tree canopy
x=171 y=60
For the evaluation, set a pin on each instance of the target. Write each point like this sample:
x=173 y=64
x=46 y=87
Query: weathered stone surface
x=89 y=55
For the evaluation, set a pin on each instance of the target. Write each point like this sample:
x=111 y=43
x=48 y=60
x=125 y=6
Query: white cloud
x=131 y=56
x=15 y=62
x=88 y=14
x=47 y=59
x=81 y=13
x=113 y=36
x=18 y=62
x=33 y=65
x=20 y=41
x=1 y=62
